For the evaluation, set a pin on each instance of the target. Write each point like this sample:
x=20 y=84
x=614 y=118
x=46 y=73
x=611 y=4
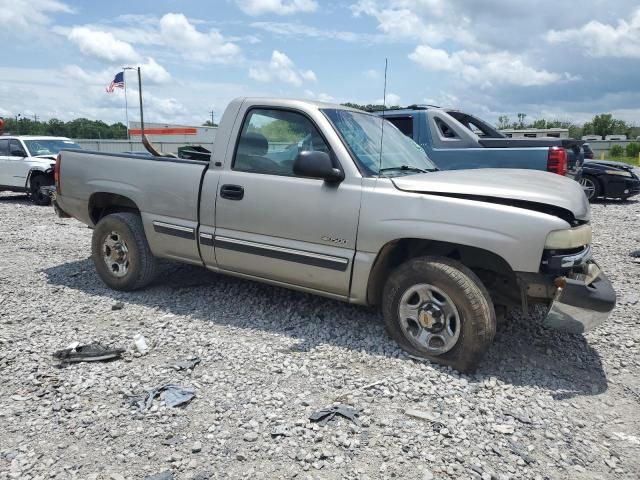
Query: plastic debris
x=172 y=395
x=329 y=413
x=141 y=343
x=186 y=364
x=93 y=352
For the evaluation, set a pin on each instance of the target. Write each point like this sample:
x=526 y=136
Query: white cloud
x=281 y=68
x=321 y=97
x=430 y=21
x=26 y=15
x=287 y=29
x=392 y=100
x=153 y=72
x=102 y=45
x=278 y=7
x=485 y=69
x=603 y=40
x=372 y=74
x=211 y=47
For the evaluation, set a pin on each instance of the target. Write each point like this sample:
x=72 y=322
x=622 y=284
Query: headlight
x=569 y=238
x=621 y=173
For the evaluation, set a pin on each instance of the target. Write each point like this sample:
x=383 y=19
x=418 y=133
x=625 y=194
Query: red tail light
x=557 y=160
x=56 y=173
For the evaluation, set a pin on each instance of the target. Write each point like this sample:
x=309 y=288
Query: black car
x=601 y=178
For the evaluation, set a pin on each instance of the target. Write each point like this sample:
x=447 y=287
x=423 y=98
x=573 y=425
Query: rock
x=505 y=429
x=166 y=475
x=117 y=306
x=196 y=447
x=250 y=437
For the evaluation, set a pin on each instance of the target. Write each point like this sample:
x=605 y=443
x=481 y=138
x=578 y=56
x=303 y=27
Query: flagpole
x=141 y=112
x=126 y=107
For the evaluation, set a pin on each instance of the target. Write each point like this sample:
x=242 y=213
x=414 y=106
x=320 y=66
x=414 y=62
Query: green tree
x=503 y=122
x=371 y=107
x=604 y=124
x=521 y=117
x=209 y=123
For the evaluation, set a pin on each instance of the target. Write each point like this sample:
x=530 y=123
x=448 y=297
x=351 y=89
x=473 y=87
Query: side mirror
x=18 y=153
x=316 y=164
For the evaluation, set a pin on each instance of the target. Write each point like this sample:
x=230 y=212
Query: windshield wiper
x=407 y=168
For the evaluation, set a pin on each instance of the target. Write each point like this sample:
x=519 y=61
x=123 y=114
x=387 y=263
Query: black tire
x=596 y=191
x=37 y=197
x=139 y=261
x=477 y=318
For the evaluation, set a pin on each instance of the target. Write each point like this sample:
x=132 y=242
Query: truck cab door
x=272 y=224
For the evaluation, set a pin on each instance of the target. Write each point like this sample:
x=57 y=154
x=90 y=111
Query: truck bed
x=173 y=182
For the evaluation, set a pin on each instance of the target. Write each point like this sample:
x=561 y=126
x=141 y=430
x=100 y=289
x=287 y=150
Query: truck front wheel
x=439 y=309
x=121 y=253
x=35 y=189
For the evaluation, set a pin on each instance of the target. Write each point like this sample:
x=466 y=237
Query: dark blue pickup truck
x=456 y=140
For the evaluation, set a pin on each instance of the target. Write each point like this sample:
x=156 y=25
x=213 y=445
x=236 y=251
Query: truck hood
x=529 y=189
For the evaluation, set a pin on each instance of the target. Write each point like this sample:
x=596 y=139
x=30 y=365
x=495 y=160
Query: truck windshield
x=362 y=134
x=48 y=146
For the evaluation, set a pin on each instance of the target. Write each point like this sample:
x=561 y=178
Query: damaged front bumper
x=582 y=301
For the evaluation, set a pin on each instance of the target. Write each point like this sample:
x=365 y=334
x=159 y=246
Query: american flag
x=118 y=82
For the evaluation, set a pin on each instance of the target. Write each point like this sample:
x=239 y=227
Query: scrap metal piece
x=323 y=416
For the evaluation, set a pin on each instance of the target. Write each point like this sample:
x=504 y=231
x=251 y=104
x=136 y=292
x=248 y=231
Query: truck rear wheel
x=121 y=252
x=439 y=309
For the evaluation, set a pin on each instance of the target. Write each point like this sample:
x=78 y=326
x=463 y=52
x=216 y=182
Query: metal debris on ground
x=186 y=364
x=93 y=352
x=280 y=431
x=329 y=413
x=172 y=395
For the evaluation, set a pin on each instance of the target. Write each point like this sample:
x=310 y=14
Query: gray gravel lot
x=543 y=405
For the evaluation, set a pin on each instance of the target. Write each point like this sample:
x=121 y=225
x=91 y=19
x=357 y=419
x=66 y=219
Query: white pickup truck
x=337 y=202
x=26 y=164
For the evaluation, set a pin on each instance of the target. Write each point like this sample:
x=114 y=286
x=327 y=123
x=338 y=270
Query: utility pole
x=212 y=118
x=18 y=123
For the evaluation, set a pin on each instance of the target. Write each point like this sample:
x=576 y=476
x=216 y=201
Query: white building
x=536 y=132
x=166 y=133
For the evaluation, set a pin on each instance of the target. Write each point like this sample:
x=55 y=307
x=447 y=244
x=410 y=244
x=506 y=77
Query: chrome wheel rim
x=115 y=254
x=429 y=319
x=589 y=187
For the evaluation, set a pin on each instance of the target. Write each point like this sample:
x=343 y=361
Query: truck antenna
x=384 y=106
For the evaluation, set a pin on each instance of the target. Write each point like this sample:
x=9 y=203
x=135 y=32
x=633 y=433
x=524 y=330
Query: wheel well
x=493 y=270
x=37 y=173
x=101 y=204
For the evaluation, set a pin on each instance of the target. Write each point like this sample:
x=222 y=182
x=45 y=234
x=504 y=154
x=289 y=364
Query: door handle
x=232 y=192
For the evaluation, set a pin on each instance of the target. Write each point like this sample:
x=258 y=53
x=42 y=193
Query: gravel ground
x=543 y=405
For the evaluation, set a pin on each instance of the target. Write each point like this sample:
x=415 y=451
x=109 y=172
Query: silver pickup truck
x=337 y=202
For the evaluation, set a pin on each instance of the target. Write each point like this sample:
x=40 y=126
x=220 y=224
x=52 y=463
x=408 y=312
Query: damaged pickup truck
x=337 y=202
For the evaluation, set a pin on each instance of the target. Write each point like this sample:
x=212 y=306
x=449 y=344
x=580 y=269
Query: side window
x=404 y=124
x=270 y=141
x=4 y=147
x=445 y=130
x=14 y=147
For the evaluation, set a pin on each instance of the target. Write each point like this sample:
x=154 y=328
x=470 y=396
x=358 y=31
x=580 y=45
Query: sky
x=553 y=59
